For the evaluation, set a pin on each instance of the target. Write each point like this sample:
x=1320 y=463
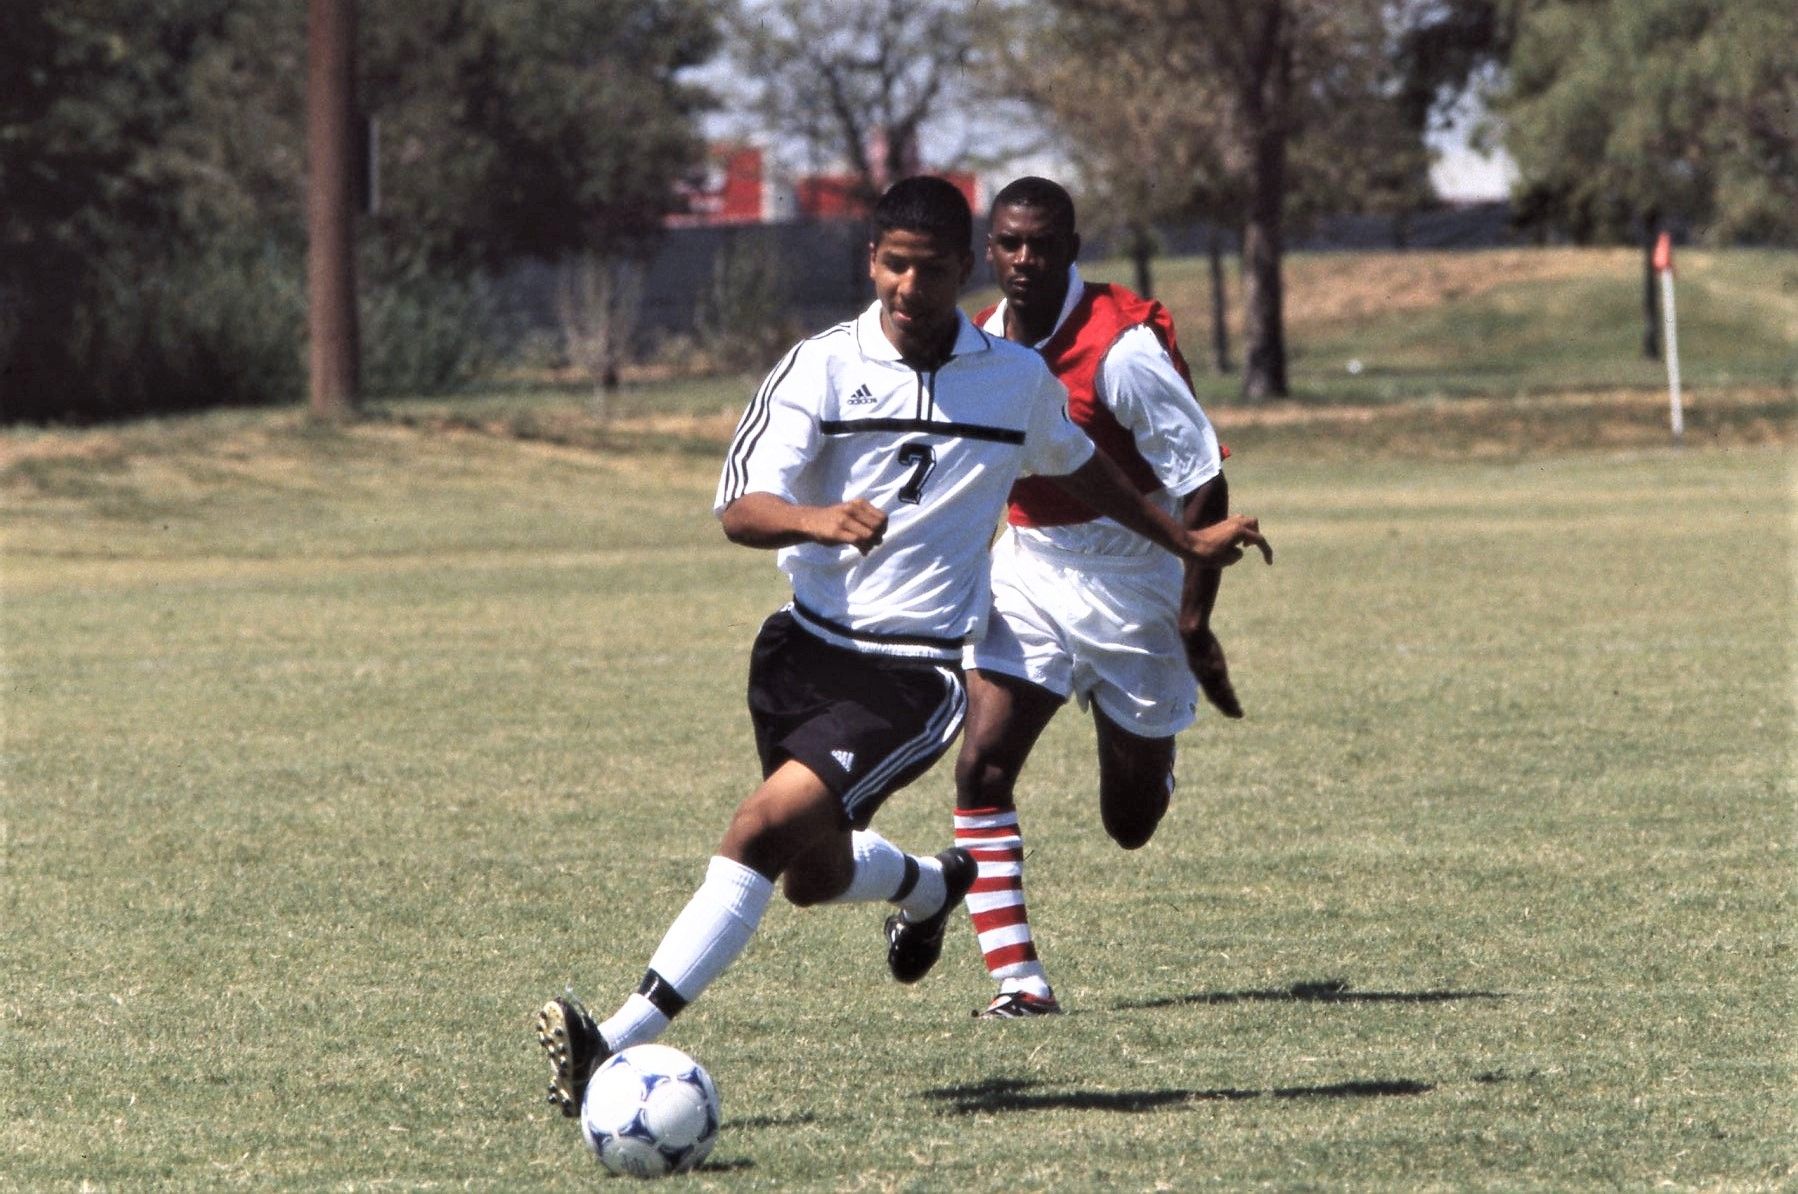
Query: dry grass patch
x=1325 y=290
x=1339 y=288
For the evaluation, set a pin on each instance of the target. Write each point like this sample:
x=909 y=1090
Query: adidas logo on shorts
x=845 y=758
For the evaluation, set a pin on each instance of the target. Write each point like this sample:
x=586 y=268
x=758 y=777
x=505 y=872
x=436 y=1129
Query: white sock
x=928 y=896
x=704 y=939
x=880 y=870
x=1035 y=983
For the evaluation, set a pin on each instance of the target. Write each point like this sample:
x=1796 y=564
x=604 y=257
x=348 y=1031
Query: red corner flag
x=1663 y=253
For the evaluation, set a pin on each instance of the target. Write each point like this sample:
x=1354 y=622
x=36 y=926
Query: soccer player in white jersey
x=875 y=459
x=1082 y=606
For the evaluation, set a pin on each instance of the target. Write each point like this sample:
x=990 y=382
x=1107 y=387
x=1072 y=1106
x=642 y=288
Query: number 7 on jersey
x=921 y=458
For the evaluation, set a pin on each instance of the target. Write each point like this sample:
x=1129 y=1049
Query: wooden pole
x=334 y=351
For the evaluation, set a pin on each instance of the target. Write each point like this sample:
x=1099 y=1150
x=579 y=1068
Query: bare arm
x=764 y=520
x=1102 y=485
x=1204 y=506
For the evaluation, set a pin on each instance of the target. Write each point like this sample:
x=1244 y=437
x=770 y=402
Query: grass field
x=331 y=753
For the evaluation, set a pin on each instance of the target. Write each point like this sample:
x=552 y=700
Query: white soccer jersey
x=1138 y=382
x=843 y=416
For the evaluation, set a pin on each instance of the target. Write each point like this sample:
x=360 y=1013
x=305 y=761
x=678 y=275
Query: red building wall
x=735 y=190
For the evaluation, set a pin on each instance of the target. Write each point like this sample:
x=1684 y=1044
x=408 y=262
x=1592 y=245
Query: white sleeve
x=1138 y=382
x=1054 y=445
x=777 y=435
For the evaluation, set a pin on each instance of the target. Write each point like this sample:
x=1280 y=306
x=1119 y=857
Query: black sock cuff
x=908 y=882
x=661 y=993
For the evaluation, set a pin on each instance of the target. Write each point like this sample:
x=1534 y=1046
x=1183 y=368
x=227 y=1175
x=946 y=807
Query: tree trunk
x=1220 y=324
x=1142 y=252
x=1651 y=306
x=1264 y=365
x=334 y=351
x=1266 y=103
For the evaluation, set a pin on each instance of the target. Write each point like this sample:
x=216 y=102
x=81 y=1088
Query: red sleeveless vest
x=1073 y=353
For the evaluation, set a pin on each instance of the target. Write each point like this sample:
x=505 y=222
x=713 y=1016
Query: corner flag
x=1663 y=265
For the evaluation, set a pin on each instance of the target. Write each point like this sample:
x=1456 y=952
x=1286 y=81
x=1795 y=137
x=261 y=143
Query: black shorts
x=866 y=725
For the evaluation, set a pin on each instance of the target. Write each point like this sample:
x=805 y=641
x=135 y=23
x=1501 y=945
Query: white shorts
x=1102 y=629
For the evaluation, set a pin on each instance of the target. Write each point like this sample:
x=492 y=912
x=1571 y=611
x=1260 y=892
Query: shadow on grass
x=750 y=1123
x=773 y=1121
x=1011 y=1094
x=1329 y=990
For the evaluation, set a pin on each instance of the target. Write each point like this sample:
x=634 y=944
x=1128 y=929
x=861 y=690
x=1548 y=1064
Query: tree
x=81 y=106
x=533 y=127
x=506 y=129
x=856 y=83
x=599 y=302
x=1263 y=108
x=1747 y=59
x=1139 y=160
x=1627 y=115
x=1623 y=114
x=334 y=353
x=152 y=154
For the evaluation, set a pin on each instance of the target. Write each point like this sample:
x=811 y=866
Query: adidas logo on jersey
x=862 y=396
x=845 y=758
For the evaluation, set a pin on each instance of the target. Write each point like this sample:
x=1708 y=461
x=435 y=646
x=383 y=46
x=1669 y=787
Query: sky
x=1462 y=173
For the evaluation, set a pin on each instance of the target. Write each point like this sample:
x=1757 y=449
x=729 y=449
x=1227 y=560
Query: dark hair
x=927 y=204
x=1050 y=198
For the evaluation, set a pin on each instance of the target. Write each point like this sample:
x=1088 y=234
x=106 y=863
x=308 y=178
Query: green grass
x=330 y=754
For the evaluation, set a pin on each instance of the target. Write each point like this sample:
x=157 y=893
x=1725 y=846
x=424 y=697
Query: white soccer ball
x=649 y=1111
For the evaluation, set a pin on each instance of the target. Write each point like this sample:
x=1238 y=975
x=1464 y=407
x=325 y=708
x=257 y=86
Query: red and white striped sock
x=996 y=901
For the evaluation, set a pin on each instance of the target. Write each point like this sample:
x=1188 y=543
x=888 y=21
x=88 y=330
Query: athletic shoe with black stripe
x=1019 y=1005
x=575 y=1048
x=912 y=949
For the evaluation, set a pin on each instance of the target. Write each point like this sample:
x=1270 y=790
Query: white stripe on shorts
x=939 y=731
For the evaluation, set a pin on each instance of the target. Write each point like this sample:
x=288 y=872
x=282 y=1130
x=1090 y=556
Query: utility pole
x=334 y=353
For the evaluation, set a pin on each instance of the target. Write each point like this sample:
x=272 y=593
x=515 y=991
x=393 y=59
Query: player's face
x=1030 y=254
x=917 y=278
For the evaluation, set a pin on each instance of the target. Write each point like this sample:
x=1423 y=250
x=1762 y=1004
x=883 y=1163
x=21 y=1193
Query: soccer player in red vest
x=1083 y=607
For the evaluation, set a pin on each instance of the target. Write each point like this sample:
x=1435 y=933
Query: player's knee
x=816 y=879
x=752 y=838
x=805 y=890
x=1132 y=832
x=982 y=780
x=1131 y=816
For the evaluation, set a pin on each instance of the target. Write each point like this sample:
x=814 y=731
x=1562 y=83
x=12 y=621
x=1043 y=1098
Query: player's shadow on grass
x=1013 y=1094
x=1329 y=990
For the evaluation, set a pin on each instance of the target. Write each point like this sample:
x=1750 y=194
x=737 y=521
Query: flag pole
x=1663 y=265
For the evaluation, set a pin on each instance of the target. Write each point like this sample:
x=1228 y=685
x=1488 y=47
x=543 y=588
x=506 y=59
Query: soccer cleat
x=1019 y=1005
x=912 y=949
x=571 y=1039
